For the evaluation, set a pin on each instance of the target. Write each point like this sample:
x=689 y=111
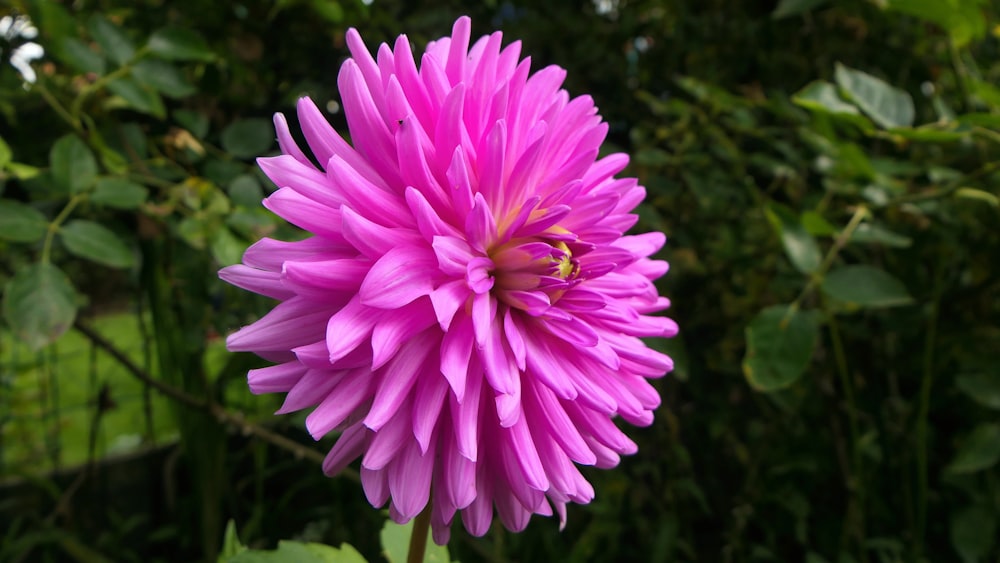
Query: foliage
x=828 y=174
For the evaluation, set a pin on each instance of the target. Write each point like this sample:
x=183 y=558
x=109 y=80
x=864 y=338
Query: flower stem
x=56 y=223
x=926 y=383
x=418 y=536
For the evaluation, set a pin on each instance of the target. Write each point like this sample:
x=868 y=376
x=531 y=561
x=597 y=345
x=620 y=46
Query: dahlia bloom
x=467 y=312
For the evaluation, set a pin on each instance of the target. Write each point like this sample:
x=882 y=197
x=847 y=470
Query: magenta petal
x=398 y=277
x=410 y=480
x=275 y=379
x=351 y=444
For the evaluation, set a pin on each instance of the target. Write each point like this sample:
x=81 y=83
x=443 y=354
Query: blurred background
x=827 y=174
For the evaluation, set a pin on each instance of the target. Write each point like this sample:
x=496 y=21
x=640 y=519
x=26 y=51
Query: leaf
x=6 y=155
x=822 y=97
x=780 y=344
x=119 y=193
x=97 y=243
x=980 y=195
x=984 y=388
x=21 y=223
x=231 y=544
x=137 y=97
x=799 y=245
x=817 y=225
x=788 y=8
x=179 y=44
x=79 y=55
x=973 y=531
x=162 y=77
x=39 y=304
x=980 y=450
x=300 y=552
x=886 y=105
x=865 y=286
x=396 y=544
x=245 y=190
x=74 y=167
x=877 y=234
x=247 y=138
x=112 y=39
x=962 y=19
x=196 y=123
x=227 y=248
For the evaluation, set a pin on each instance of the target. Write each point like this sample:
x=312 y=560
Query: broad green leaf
x=231 y=544
x=245 y=190
x=816 y=225
x=788 y=8
x=865 y=286
x=987 y=120
x=799 y=245
x=137 y=97
x=780 y=344
x=162 y=77
x=196 y=123
x=979 y=450
x=6 y=155
x=227 y=248
x=822 y=97
x=21 y=223
x=78 y=55
x=247 y=138
x=984 y=388
x=119 y=193
x=887 y=106
x=299 y=552
x=97 y=243
x=876 y=234
x=74 y=167
x=39 y=304
x=396 y=543
x=112 y=39
x=973 y=532
x=962 y=19
x=179 y=44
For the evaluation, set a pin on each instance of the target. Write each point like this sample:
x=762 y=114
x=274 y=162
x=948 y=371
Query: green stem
x=58 y=107
x=859 y=214
x=95 y=86
x=56 y=223
x=926 y=383
x=418 y=536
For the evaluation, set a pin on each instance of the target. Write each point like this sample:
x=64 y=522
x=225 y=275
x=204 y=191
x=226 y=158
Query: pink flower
x=467 y=312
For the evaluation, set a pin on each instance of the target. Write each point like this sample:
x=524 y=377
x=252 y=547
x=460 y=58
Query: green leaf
x=112 y=39
x=973 y=532
x=886 y=105
x=980 y=195
x=822 y=97
x=799 y=245
x=227 y=248
x=6 y=155
x=119 y=193
x=179 y=44
x=245 y=190
x=396 y=544
x=137 y=97
x=788 y=8
x=247 y=138
x=39 y=304
x=933 y=133
x=980 y=450
x=962 y=19
x=196 y=123
x=780 y=344
x=299 y=552
x=97 y=243
x=984 y=388
x=162 y=77
x=74 y=167
x=21 y=223
x=865 y=286
x=231 y=544
x=79 y=55
x=877 y=234
x=816 y=225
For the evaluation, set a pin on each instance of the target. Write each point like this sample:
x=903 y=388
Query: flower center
x=532 y=273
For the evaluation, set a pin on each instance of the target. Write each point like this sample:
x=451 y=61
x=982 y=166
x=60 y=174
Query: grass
x=55 y=401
